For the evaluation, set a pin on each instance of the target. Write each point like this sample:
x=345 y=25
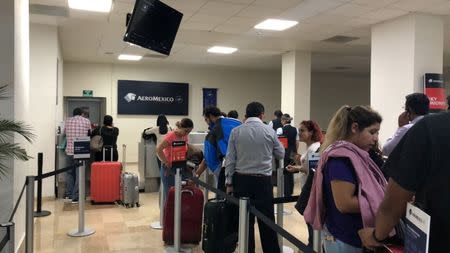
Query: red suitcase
x=105 y=181
x=191 y=215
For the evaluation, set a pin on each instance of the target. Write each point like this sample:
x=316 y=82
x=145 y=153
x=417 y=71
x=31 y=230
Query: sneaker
x=66 y=200
x=74 y=201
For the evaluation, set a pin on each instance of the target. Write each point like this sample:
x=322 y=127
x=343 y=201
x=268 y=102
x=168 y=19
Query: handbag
x=97 y=142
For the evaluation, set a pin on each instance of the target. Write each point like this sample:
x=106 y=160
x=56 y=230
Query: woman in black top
x=109 y=134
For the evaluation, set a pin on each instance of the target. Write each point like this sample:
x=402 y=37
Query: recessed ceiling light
x=222 y=50
x=91 y=5
x=129 y=57
x=276 y=24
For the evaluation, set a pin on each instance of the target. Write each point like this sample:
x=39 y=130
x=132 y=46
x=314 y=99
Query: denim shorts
x=333 y=245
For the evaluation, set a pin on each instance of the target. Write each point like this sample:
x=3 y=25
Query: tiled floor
x=119 y=229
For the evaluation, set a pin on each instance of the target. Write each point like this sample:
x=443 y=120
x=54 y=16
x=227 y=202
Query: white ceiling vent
x=49 y=10
x=340 y=39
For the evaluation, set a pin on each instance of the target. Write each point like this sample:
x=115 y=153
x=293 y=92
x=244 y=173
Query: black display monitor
x=153 y=25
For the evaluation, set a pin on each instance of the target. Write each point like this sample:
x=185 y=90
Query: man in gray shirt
x=248 y=170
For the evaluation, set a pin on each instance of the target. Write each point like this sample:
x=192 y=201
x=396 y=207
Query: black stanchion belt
x=18 y=202
x=49 y=174
x=5 y=240
x=54 y=173
x=300 y=245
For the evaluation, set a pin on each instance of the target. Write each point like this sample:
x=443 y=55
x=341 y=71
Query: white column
x=403 y=50
x=296 y=85
x=14 y=72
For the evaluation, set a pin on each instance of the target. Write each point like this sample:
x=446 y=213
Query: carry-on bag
x=105 y=180
x=220 y=227
x=129 y=188
x=191 y=215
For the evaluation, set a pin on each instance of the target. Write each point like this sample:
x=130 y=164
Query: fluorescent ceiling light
x=129 y=57
x=276 y=24
x=91 y=5
x=222 y=50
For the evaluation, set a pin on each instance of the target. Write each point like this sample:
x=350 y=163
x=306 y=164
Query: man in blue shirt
x=216 y=143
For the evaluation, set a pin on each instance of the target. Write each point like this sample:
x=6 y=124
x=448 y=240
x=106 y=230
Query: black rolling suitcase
x=220 y=227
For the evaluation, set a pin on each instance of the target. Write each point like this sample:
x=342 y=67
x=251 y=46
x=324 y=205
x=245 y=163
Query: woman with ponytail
x=348 y=186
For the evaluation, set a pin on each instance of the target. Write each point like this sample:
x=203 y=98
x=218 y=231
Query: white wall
x=43 y=81
x=236 y=88
x=21 y=103
x=6 y=106
x=330 y=91
x=403 y=50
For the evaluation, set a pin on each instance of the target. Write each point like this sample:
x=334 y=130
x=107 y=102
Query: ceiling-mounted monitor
x=153 y=25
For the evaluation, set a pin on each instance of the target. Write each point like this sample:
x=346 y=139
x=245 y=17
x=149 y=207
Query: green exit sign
x=88 y=93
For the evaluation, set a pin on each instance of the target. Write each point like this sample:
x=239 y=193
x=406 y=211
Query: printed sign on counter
x=82 y=147
x=417 y=234
x=313 y=161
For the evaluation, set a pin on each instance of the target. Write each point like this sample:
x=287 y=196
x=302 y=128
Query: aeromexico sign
x=152 y=98
x=434 y=88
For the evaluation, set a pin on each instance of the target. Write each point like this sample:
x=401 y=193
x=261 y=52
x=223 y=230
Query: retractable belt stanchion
x=317 y=247
x=243 y=225
x=81 y=231
x=177 y=218
x=29 y=222
x=280 y=207
x=39 y=212
x=159 y=224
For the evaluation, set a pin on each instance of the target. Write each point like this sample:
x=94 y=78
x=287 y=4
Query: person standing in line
x=311 y=135
x=233 y=114
x=448 y=103
x=348 y=186
x=76 y=126
x=109 y=134
x=216 y=144
x=164 y=152
x=291 y=133
x=417 y=105
x=248 y=170
x=419 y=166
x=276 y=122
x=160 y=131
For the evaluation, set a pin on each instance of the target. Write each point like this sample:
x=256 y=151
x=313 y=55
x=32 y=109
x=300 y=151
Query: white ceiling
x=94 y=37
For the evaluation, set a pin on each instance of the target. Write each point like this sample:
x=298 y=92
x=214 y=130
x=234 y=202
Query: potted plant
x=8 y=128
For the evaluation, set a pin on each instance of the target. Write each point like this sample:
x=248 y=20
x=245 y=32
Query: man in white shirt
x=417 y=105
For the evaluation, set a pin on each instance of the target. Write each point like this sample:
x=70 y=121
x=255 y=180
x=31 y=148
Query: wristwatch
x=375 y=238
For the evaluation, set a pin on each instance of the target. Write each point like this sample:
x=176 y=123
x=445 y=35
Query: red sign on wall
x=434 y=88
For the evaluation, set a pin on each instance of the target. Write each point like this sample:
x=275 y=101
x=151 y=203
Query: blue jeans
x=72 y=180
x=336 y=246
x=167 y=179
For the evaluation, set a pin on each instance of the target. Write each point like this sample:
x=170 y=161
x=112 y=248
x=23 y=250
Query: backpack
x=97 y=142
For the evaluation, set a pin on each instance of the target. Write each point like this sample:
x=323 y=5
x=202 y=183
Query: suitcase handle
x=104 y=152
x=187 y=191
x=124 y=150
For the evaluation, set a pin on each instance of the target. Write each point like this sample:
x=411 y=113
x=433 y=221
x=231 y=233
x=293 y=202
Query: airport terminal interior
x=135 y=60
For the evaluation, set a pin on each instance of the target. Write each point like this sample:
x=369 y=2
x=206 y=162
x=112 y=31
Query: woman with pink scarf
x=348 y=186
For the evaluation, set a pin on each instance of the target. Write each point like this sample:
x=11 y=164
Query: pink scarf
x=371 y=184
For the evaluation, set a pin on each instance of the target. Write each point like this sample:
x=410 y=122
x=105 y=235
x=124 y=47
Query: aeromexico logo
x=134 y=97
